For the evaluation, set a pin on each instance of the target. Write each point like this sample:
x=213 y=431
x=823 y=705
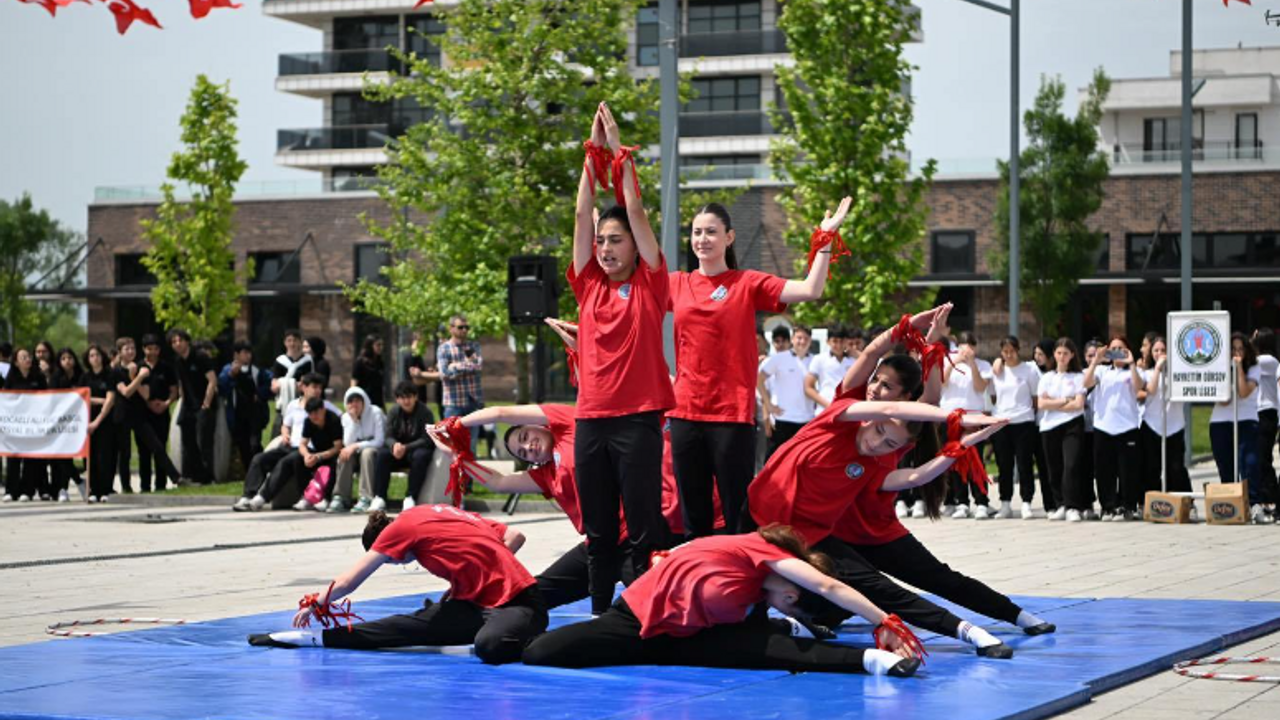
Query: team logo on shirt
x=854 y=471
x=666 y=426
x=720 y=293
x=1199 y=343
x=624 y=291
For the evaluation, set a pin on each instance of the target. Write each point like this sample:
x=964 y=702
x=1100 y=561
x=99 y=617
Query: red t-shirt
x=870 y=519
x=811 y=480
x=710 y=581
x=460 y=547
x=621 y=368
x=556 y=478
x=716 y=353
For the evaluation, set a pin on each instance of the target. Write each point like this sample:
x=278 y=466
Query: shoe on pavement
x=63 y=496
x=6 y=499
x=918 y=510
x=1074 y=516
x=1027 y=512
x=241 y=504
x=1059 y=514
x=93 y=499
x=982 y=512
x=361 y=506
x=24 y=498
x=336 y=505
x=900 y=509
x=1006 y=510
x=1259 y=516
x=1089 y=514
x=962 y=511
x=947 y=510
x=302 y=505
x=409 y=504
x=257 y=503
x=377 y=504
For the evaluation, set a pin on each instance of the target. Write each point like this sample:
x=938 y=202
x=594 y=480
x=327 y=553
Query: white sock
x=878 y=662
x=974 y=635
x=1026 y=620
x=312 y=637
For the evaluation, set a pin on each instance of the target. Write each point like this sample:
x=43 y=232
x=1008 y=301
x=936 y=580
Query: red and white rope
x=1203 y=669
x=57 y=629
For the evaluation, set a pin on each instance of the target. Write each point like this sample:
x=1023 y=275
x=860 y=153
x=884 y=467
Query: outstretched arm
x=646 y=241
x=816 y=281
x=584 y=226
x=909 y=411
x=514 y=483
x=860 y=372
x=346 y=583
x=509 y=414
x=908 y=478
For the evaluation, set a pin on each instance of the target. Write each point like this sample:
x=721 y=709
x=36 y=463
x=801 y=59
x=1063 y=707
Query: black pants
x=568 y=579
x=23 y=476
x=619 y=460
x=958 y=490
x=1267 y=429
x=1175 y=467
x=1048 y=497
x=246 y=442
x=124 y=452
x=1086 y=469
x=261 y=467
x=1015 y=447
x=1117 y=463
x=417 y=461
x=293 y=468
x=152 y=432
x=197 y=426
x=782 y=432
x=707 y=452
x=102 y=460
x=1062 y=452
x=854 y=570
x=755 y=644
x=908 y=560
x=64 y=473
x=500 y=634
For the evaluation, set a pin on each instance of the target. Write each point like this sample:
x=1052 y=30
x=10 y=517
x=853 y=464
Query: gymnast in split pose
x=492 y=600
x=695 y=608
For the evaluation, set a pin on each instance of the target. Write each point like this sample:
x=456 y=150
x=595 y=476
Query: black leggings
x=857 y=572
x=911 y=562
x=1268 y=422
x=500 y=634
x=755 y=644
x=706 y=452
x=619 y=461
x=102 y=459
x=781 y=433
x=1048 y=497
x=568 y=580
x=417 y=461
x=1015 y=446
x=152 y=432
x=24 y=476
x=1175 y=467
x=261 y=466
x=1062 y=451
x=958 y=490
x=1117 y=462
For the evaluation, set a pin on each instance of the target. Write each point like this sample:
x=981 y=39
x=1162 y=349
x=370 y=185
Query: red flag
x=126 y=12
x=201 y=8
x=1246 y=2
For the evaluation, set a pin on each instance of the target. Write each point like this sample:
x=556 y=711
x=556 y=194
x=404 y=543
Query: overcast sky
x=81 y=106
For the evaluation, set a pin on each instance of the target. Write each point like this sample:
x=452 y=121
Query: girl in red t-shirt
x=695 y=608
x=713 y=424
x=492 y=600
x=619 y=278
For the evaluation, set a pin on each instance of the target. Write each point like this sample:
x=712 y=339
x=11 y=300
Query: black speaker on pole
x=531 y=289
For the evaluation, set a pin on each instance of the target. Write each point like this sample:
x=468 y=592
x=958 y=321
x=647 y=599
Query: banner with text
x=44 y=423
x=1199 y=345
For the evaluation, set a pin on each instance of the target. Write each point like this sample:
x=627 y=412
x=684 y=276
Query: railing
x=1210 y=151
x=714 y=173
x=711 y=124
x=351 y=137
x=265 y=188
x=736 y=42
x=338 y=61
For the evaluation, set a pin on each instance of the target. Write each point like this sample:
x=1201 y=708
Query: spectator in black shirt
x=100 y=379
x=157 y=391
x=65 y=375
x=321 y=443
x=44 y=361
x=316 y=347
x=370 y=373
x=245 y=390
x=22 y=481
x=417 y=370
x=286 y=372
x=197 y=415
x=407 y=445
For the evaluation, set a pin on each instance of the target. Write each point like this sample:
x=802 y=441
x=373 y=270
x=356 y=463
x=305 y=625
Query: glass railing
x=711 y=124
x=736 y=42
x=1223 y=151
x=350 y=137
x=265 y=188
x=338 y=61
x=716 y=173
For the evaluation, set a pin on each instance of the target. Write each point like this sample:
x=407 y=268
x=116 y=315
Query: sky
x=82 y=107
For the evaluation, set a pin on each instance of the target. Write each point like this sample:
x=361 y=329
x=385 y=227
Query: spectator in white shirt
x=964 y=386
x=786 y=408
x=1240 y=460
x=1062 y=429
x=1264 y=340
x=1117 y=459
x=827 y=370
x=1155 y=425
x=1016 y=385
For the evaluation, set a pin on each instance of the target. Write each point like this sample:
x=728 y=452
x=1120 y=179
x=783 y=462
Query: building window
x=370 y=259
x=131 y=271
x=1247 y=145
x=694 y=161
x=961 y=317
x=348 y=179
x=269 y=318
x=366 y=33
x=1162 y=137
x=714 y=16
x=1214 y=251
x=355 y=109
x=269 y=268
x=731 y=94
x=423 y=37
x=953 y=252
x=647 y=36
x=1102 y=256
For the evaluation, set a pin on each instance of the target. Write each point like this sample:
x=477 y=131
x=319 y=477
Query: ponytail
x=784 y=537
x=378 y=521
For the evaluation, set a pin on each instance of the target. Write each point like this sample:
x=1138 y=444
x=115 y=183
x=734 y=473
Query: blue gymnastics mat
x=207 y=670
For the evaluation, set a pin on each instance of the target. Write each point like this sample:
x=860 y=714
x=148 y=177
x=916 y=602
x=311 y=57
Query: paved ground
x=214 y=563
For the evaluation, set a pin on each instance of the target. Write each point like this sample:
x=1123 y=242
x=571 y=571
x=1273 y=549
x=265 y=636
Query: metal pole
x=1015 y=177
x=1163 y=399
x=1235 y=421
x=1186 y=193
x=669 y=148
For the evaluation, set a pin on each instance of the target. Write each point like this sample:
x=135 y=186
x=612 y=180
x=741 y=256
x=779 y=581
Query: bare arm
x=811 y=390
x=909 y=411
x=810 y=578
x=908 y=478
x=511 y=414
x=860 y=372
x=515 y=483
x=815 y=282
x=513 y=539
x=584 y=227
x=646 y=241
x=346 y=583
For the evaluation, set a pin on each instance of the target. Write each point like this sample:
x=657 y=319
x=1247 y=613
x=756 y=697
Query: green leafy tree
x=32 y=246
x=1062 y=173
x=843 y=127
x=494 y=172
x=197 y=286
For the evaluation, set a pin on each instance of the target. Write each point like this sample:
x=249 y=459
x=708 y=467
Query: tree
x=494 y=172
x=32 y=245
x=843 y=128
x=197 y=286
x=1062 y=173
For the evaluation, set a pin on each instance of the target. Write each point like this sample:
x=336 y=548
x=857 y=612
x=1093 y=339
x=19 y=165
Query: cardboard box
x=1226 y=503
x=1167 y=508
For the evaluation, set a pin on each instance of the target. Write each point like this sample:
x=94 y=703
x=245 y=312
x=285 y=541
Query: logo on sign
x=624 y=291
x=720 y=293
x=1224 y=510
x=854 y=471
x=1199 y=343
x=1161 y=509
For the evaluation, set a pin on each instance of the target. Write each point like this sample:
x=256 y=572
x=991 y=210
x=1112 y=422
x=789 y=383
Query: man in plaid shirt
x=460 y=363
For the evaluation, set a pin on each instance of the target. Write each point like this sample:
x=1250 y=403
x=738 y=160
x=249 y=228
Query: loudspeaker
x=531 y=289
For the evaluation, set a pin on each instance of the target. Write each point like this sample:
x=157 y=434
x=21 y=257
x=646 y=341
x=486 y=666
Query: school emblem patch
x=624 y=291
x=720 y=293
x=854 y=471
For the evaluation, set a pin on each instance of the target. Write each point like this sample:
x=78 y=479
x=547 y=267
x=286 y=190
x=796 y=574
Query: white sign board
x=1199 y=345
x=44 y=423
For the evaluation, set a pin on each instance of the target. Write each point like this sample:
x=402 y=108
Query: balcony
x=714 y=124
x=338 y=61
x=350 y=137
x=737 y=42
x=1214 y=151
x=703 y=174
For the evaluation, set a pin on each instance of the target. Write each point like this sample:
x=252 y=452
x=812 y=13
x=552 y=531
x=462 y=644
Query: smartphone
x=1114 y=355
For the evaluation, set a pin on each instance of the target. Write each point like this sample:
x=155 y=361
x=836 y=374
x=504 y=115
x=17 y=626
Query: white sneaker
x=257 y=503
x=241 y=504
x=982 y=512
x=93 y=499
x=918 y=510
x=1074 y=516
x=103 y=499
x=1089 y=514
x=409 y=504
x=377 y=504
x=1006 y=510
x=64 y=497
x=900 y=509
x=962 y=511
x=1059 y=514
x=6 y=499
x=302 y=505
x=947 y=510
x=24 y=498
x=1027 y=512
x=321 y=506
x=336 y=505
x=1258 y=515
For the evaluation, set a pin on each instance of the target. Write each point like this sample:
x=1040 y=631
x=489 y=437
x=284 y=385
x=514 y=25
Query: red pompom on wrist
x=624 y=156
x=571 y=359
x=598 y=162
x=968 y=461
x=458 y=439
x=824 y=238
x=329 y=614
x=893 y=625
